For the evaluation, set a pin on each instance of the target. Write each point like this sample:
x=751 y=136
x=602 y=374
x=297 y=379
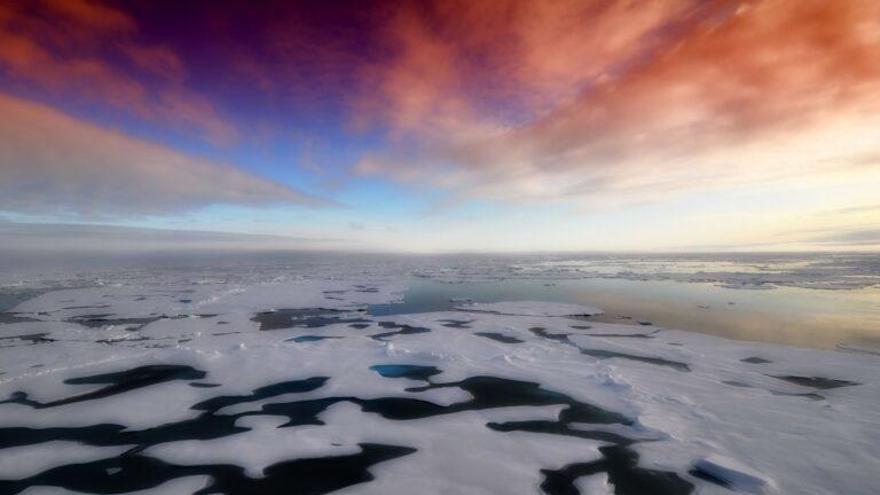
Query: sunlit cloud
x=642 y=103
x=51 y=162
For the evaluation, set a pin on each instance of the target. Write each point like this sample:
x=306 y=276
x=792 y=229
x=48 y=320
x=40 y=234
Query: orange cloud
x=67 y=47
x=92 y=14
x=518 y=100
x=54 y=163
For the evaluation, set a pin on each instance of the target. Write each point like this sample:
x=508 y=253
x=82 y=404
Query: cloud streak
x=863 y=237
x=54 y=237
x=52 y=163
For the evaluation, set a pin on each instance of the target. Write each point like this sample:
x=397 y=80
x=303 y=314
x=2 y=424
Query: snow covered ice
x=276 y=384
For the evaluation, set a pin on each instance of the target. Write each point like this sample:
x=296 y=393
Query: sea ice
x=199 y=393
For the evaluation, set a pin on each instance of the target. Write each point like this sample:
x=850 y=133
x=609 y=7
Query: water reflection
x=788 y=315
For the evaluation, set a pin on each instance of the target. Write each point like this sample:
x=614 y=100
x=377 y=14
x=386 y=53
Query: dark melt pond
x=136 y=470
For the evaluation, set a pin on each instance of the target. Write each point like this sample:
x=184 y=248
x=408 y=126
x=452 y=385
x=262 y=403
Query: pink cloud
x=157 y=60
x=67 y=48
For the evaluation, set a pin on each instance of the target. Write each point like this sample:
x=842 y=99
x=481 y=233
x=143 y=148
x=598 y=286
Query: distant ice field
x=399 y=375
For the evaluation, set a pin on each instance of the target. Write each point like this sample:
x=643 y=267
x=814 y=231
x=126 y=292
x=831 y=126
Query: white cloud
x=54 y=163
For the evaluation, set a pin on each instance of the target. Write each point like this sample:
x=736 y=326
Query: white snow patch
x=28 y=460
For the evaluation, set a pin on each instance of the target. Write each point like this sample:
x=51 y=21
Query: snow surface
x=693 y=405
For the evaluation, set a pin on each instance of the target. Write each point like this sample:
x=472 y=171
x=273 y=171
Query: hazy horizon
x=102 y=237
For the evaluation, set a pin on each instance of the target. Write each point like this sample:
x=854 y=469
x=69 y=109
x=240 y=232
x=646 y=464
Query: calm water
x=10 y=298
x=788 y=315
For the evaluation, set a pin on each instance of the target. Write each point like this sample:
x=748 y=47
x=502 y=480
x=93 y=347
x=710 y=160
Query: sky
x=456 y=125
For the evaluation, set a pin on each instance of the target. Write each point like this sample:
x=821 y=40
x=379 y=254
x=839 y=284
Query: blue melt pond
x=411 y=371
